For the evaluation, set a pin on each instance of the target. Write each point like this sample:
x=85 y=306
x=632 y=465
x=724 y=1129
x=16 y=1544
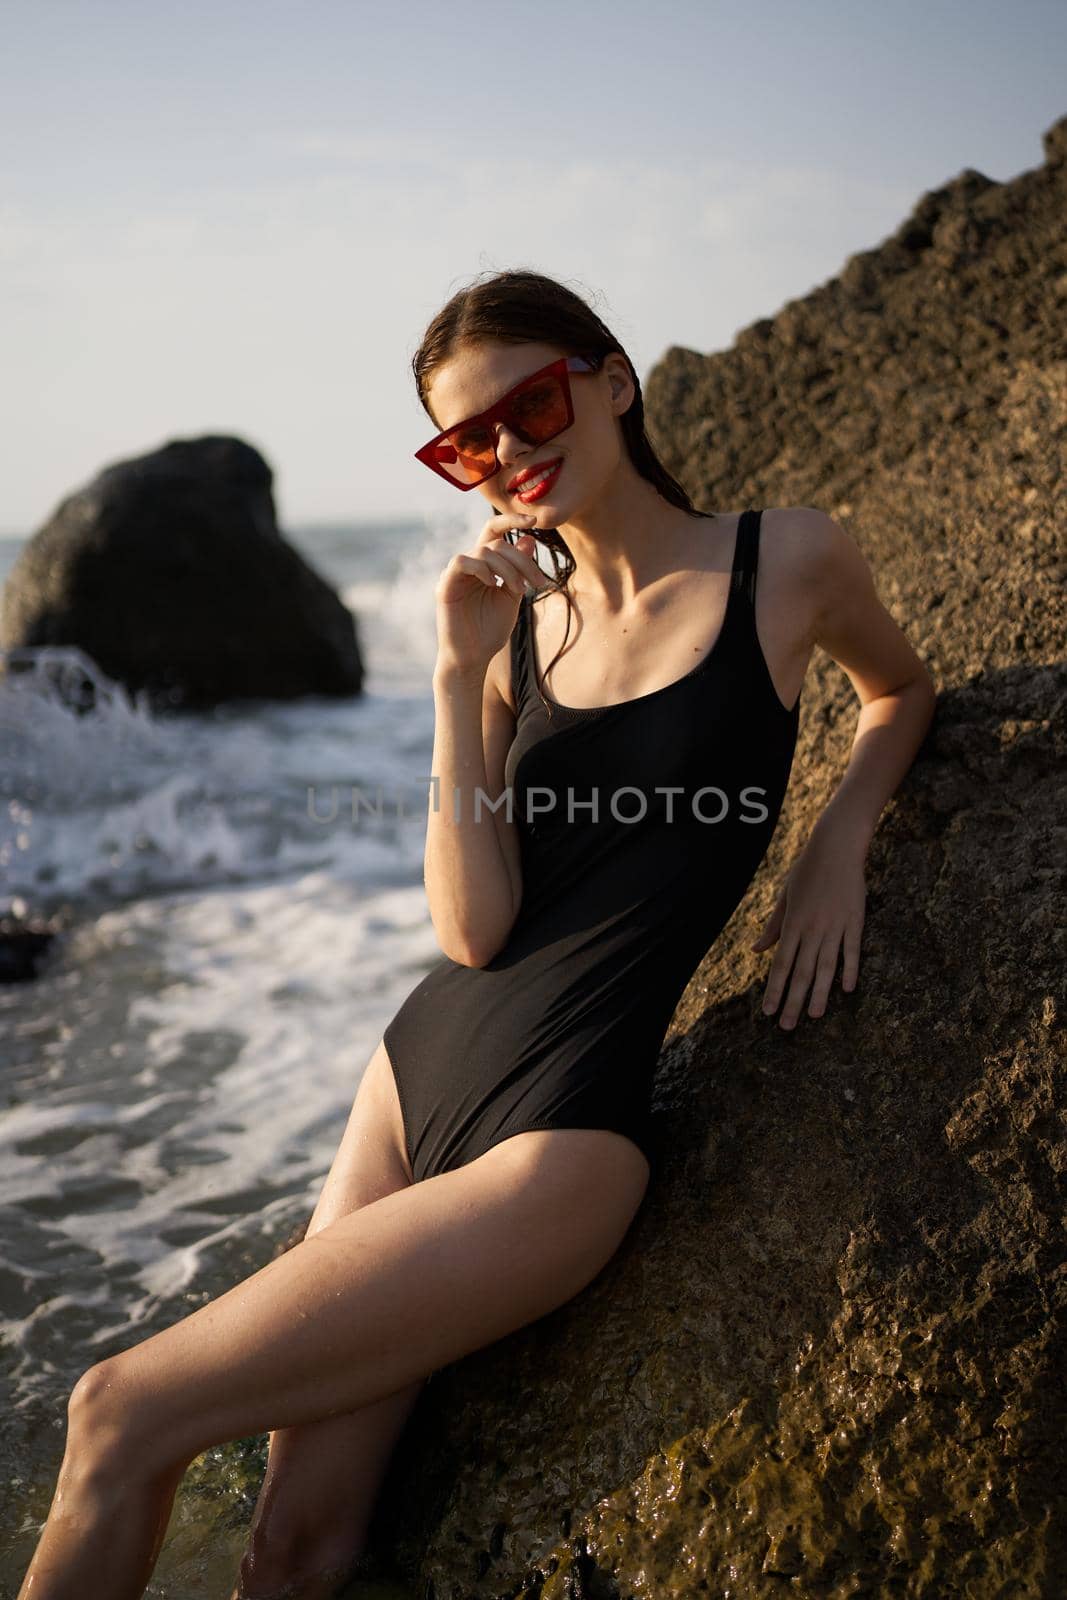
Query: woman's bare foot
x=326 y=1583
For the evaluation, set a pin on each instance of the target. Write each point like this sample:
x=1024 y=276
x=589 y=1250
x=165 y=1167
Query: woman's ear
x=618 y=380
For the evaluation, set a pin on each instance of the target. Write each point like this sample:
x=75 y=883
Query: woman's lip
x=541 y=488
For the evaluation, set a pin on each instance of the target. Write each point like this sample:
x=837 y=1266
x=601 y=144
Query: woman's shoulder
x=799 y=556
x=798 y=534
x=802 y=529
x=800 y=546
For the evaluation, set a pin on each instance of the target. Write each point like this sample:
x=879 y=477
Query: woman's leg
x=322 y=1478
x=370 y=1304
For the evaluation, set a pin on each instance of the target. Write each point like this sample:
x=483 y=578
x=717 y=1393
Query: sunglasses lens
x=537 y=413
x=468 y=455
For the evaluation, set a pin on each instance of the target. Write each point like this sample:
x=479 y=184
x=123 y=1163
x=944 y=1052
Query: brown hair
x=518 y=307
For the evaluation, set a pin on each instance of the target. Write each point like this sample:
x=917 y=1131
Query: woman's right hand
x=475 y=614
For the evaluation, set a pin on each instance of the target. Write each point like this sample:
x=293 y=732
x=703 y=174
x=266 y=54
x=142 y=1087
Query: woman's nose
x=509 y=447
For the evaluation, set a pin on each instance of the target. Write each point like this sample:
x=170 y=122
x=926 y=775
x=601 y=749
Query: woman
x=497 y=1149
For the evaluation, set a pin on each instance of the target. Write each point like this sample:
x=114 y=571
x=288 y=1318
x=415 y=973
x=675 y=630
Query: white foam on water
x=120 y=802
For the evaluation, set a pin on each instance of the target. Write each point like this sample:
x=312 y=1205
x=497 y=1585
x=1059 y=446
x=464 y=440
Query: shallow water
x=178 y=1078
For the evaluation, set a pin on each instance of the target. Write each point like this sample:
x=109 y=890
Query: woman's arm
x=895 y=690
x=472 y=862
x=472 y=872
x=820 y=909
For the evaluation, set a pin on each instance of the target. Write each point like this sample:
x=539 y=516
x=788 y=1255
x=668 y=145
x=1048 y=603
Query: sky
x=239 y=218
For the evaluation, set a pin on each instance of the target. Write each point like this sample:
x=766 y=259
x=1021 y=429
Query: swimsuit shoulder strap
x=746 y=558
x=738 y=625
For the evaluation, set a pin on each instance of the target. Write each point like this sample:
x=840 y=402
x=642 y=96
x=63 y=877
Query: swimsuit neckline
x=640 y=699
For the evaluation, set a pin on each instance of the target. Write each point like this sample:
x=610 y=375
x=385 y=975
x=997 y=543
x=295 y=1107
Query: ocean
x=177 y=1079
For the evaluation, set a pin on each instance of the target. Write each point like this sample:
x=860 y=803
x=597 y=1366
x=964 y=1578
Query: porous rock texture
x=169 y=571
x=828 y=1359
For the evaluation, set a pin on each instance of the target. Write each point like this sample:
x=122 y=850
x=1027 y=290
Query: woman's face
x=589 y=451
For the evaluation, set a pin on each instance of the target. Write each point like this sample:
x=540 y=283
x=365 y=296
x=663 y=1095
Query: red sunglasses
x=535 y=410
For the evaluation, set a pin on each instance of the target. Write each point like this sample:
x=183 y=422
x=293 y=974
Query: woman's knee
x=93 y=1410
x=108 y=1429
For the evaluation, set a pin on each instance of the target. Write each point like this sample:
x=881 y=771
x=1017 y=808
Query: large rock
x=170 y=572
x=829 y=1357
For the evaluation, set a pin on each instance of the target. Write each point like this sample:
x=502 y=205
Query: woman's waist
x=628 y=929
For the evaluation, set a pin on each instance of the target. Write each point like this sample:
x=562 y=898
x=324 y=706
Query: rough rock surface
x=828 y=1359
x=170 y=572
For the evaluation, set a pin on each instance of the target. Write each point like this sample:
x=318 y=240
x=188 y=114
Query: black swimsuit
x=562 y=1029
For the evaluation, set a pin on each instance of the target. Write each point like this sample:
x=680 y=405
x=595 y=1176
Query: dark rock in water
x=169 y=571
x=829 y=1356
x=22 y=948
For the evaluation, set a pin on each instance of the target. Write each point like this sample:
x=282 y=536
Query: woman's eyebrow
x=471 y=415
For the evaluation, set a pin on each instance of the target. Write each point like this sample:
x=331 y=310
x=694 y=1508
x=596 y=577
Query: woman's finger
x=504 y=559
x=513 y=532
x=780 y=966
x=825 y=967
x=507 y=569
x=470 y=566
x=520 y=555
x=473 y=567
x=524 y=553
x=484 y=567
x=802 y=974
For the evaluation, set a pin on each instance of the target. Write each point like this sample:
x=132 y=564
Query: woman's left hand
x=819 y=911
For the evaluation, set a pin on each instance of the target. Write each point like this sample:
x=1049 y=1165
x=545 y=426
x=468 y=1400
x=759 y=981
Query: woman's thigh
x=371 y=1158
x=380 y=1297
x=320 y=1471
x=597 y=1159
